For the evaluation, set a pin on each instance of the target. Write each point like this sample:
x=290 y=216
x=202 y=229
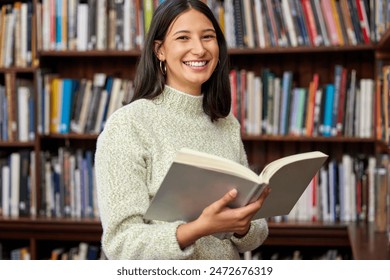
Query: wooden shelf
x=18 y=69
x=70 y=136
x=384 y=42
x=361 y=238
x=303 y=50
x=367 y=244
x=235 y=51
x=308 y=234
x=93 y=53
x=290 y=138
x=51 y=229
x=29 y=144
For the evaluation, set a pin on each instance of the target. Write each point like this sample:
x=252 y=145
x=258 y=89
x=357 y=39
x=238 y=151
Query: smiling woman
x=182 y=99
x=190 y=52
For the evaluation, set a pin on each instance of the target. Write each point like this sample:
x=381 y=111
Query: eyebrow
x=186 y=31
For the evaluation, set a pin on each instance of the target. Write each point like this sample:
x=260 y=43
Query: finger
x=263 y=197
x=226 y=199
x=253 y=207
x=264 y=194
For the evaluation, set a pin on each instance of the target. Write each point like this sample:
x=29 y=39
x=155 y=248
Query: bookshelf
x=43 y=234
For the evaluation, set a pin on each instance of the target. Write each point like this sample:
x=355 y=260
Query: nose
x=197 y=47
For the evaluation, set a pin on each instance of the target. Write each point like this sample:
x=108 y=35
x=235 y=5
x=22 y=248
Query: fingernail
x=233 y=192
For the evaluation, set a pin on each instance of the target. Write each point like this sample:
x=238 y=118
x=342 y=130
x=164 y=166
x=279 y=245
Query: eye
x=183 y=38
x=209 y=37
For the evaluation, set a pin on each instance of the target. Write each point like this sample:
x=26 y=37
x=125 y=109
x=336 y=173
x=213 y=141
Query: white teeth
x=196 y=63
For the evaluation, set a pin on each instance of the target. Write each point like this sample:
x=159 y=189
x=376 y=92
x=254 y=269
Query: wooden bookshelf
x=42 y=234
x=308 y=234
x=29 y=144
x=367 y=244
x=297 y=50
x=361 y=239
x=91 y=53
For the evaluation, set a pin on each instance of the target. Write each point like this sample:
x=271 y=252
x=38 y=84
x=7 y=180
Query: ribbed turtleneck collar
x=181 y=101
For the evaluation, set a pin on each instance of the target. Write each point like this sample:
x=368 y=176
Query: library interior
x=299 y=73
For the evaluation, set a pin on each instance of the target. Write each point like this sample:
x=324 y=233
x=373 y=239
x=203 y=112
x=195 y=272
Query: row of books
x=122 y=25
x=293 y=23
x=16 y=33
x=67 y=187
x=351 y=189
x=264 y=104
x=17 y=115
x=268 y=104
x=345 y=190
x=93 y=24
x=79 y=106
x=17 y=184
x=21 y=253
x=83 y=251
x=299 y=254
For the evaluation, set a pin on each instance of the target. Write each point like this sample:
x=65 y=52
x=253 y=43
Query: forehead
x=190 y=20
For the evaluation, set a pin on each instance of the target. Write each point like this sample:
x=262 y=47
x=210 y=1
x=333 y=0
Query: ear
x=159 y=50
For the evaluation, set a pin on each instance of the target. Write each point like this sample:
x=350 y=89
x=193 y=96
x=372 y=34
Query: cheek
x=175 y=56
x=215 y=53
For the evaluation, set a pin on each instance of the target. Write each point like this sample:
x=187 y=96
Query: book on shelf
x=196 y=179
x=382 y=195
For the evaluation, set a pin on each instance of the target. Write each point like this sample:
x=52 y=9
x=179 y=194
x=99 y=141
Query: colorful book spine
x=327 y=121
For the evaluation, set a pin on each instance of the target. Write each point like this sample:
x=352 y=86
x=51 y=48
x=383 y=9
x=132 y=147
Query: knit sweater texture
x=133 y=154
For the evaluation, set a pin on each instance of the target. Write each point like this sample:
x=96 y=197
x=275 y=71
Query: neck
x=189 y=89
x=180 y=101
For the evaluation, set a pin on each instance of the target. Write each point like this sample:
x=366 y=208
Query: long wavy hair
x=149 y=81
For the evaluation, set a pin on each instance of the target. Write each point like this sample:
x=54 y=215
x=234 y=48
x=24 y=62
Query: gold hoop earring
x=163 y=68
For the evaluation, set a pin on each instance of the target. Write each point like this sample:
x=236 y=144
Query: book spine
x=329 y=93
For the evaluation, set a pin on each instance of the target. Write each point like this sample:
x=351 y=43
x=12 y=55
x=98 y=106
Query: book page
x=270 y=169
x=215 y=163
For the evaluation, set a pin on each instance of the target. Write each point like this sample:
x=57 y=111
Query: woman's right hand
x=218 y=217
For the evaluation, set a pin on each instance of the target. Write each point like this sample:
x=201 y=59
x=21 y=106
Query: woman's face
x=190 y=52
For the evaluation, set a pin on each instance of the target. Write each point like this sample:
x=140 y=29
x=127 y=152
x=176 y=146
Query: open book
x=196 y=179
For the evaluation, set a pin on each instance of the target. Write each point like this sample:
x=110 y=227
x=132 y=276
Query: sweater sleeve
x=121 y=161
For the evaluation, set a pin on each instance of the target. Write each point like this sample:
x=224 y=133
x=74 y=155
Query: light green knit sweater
x=133 y=154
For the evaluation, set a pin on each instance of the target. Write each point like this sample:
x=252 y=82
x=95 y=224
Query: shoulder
x=128 y=125
x=130 y=121
x=230 y=121
x=134 y=111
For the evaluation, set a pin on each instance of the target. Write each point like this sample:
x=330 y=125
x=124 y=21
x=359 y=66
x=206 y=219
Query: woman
x=182 y=99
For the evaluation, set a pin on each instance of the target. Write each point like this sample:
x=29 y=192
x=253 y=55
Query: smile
x=195 y=63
